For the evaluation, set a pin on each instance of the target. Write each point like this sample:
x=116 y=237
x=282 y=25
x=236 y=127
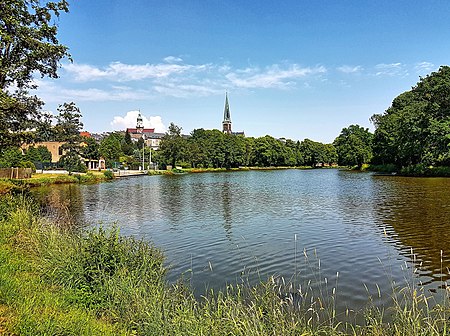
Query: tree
x=415 y=129
x=311 y=152
x=354 y=146
x=28 y=45
x=68 y=129
x=127 y=144
x=19 y=114
x=10 y=157
x=110 y=149
x=172 y=145
x=89 y=148
x=28 y=41
x=38 y=154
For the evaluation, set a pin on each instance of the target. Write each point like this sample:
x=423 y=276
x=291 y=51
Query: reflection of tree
x=172 y=198
x=63 y=202
x=227 y=209
x=416 y=214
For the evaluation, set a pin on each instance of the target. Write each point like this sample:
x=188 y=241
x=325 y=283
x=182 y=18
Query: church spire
x=226 y=123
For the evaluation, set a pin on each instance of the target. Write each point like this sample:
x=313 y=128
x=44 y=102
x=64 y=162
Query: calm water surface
x=220 y=228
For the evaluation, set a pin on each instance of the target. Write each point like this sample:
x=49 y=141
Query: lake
x=360 y=231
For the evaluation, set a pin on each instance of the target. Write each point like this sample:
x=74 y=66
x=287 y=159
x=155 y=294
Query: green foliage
x=28 y=41
x=89 y=148
x=108 y=174
x=354 y=146
x=28 y=45
x=422 y=170
x=127 y=144
x=19 y=113
x=415 y=129
x=68 y=129
x=172 y=146
x=71 y=161
x=214 y=149
x=38 y=154
x=10 y=157
x=315 y=153
x=110 y=148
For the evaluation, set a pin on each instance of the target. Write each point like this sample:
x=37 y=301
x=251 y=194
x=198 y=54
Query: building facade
x=150 y=137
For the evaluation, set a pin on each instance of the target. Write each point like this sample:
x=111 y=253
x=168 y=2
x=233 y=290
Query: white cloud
x=129 y=120
x=350 y=69
x=51 y=93
x=173 y=59
x=424 y=67
x=120 y=72
x=392 y=69
x=184 y=91
x=272 y=77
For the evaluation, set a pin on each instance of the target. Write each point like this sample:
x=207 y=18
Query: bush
x=422 y=170
x=386 y=168
x=109 y=175
x=28 y=164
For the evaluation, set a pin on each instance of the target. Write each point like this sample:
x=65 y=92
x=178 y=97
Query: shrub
x=109 y=175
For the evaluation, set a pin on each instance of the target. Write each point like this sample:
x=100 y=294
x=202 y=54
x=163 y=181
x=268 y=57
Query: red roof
x=85 y=134
x=145 y=130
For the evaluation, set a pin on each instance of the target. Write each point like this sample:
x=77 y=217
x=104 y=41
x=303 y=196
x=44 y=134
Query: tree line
x=215 y=149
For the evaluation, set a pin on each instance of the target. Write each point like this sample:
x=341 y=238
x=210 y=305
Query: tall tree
x=127 y=144
x=89 y=148
x=28 y=45
x=28 y=41
x=110 y=149
x=354 y=146
x=172 y=145
x=68 y=129
x=416 y=127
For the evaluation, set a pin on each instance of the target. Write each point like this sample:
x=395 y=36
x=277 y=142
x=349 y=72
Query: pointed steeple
x=226 y=123
x=226 y=112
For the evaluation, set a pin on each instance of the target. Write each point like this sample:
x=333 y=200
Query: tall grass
x=57 y=281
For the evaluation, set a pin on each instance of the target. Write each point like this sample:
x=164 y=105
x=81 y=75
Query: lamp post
x=150 y=158
x=143 y=156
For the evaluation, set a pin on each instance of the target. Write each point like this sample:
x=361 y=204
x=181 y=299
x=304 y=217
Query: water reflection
x=63 y=203
x=226 y=196
x=415 y=213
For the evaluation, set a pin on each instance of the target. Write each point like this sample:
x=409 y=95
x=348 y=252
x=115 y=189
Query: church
x=226 y=123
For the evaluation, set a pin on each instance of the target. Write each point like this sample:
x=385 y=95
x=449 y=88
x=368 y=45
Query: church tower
x=139 y=123
x=226 y=123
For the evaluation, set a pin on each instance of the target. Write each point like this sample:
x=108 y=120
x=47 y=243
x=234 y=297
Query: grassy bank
x=55 y=280
x=8 y=185
x=418 y=170
x=216 y=170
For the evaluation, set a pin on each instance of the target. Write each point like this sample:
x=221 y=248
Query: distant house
x=54 y=147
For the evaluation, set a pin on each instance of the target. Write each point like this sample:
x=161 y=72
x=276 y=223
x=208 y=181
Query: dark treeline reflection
x=415 y=214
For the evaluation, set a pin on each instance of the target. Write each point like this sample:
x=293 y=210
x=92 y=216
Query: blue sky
x=295 y=69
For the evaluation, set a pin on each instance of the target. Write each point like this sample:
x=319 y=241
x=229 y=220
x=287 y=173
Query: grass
x=418 y=170
x=58 y=280
x=37 y=180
